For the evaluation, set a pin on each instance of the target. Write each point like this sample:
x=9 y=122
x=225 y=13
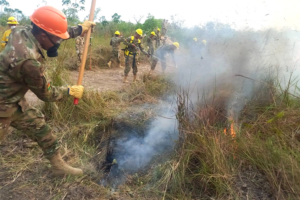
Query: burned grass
x=258 y=161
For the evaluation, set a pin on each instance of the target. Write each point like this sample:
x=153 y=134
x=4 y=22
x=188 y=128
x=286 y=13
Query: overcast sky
x=256 y=14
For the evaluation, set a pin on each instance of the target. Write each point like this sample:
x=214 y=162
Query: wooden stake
x=86 y=48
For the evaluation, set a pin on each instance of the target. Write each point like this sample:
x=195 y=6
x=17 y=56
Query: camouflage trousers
x=154 y=61
x=164 y=32
x=151 y=50
x=32 y=123
x=79 y=59
x=115 y=58
x=157 y=43
x=130 y=64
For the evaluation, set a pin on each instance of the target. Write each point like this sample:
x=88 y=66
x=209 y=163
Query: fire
x=232 y=131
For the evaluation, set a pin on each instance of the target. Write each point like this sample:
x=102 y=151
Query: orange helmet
x=51 y=20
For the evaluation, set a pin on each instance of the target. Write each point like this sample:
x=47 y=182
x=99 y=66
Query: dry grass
x=262 y=161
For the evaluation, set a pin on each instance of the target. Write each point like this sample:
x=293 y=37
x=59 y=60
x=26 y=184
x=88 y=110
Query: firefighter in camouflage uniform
x=22 y=69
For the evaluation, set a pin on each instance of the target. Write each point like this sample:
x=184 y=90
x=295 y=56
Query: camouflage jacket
x=150 y=41
x=165 y=49
x=115 y=43
x=157 y=35
x=79 y=44
x=21 y=69
x=134 y=45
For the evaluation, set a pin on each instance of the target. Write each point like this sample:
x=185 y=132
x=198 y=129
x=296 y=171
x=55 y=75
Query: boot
x=120 y=66
x=134 y=78
x=125 y=79
x=109 y=63
x=60 y=167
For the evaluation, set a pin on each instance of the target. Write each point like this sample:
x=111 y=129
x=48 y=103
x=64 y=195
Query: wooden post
x=86 y=48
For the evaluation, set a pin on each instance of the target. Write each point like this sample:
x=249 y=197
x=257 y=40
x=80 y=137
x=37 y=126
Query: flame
x=225 y=131
x=232 y=131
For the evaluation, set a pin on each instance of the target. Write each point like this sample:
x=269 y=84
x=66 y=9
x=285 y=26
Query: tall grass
x=212 y=165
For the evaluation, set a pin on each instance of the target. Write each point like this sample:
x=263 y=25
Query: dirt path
x=102 y=79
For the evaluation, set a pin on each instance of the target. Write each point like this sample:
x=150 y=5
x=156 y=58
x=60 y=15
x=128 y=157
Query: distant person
x=157 y=37
x=79 y=45
x=133 y=45
x=197 y=49
x=22 y=69
x=164 y=26
x=12 y=23
x=194 y=48
x=115 y=43
x=150 y=42
x=160 y=54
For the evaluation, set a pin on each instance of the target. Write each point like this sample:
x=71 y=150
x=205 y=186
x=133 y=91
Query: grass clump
x=260 y=162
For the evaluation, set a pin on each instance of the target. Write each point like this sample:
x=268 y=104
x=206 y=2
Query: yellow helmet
x=153 y=33
x=204 y=42
x=158 y=29
x=117 y=33
x=139 y=31
x=176 y=44
x=12 y=20
x=195 y=39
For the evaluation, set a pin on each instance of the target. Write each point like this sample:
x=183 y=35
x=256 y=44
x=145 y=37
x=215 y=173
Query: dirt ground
x=110 y=79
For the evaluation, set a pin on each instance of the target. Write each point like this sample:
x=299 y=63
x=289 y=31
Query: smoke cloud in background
x=257 y=55
x=254 y=54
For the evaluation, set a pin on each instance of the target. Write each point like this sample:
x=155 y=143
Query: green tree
x=116 y=18
x=151 y=23
x=72 y=15
x=72 y=9
x=4 y=3
x=103 y=21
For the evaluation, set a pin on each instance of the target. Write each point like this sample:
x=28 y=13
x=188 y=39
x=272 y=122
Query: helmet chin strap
x=52 y=51
x=49 y=37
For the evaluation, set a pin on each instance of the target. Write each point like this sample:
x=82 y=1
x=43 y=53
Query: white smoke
x=139 y=151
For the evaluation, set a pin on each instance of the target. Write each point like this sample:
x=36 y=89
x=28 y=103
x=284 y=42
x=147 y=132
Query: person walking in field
x=158 y=37
x=115 y=43
x=160 y=54
x=150 y=42
x=22 y=69
x=12 y=23
x=133 y=44
x=164 y=26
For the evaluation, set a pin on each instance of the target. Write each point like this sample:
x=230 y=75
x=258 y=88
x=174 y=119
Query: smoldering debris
x=135 y=149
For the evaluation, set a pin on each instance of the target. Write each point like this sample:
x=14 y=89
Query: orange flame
x=232 y=131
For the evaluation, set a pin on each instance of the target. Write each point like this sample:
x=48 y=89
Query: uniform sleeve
x=3 y=42
x=127 y=42
x=121 y=39
x=142 y=49
x=74 y=31
x=33 y=75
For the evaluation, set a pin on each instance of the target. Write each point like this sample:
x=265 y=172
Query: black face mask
x=52 y=52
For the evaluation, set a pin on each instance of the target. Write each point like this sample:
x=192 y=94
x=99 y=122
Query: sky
x=240 y=14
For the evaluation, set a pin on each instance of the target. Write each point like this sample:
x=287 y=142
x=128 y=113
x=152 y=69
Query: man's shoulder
x=24 y=45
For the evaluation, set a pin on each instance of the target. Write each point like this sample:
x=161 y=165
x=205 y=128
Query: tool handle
x=86 y=47
x=76 y=101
